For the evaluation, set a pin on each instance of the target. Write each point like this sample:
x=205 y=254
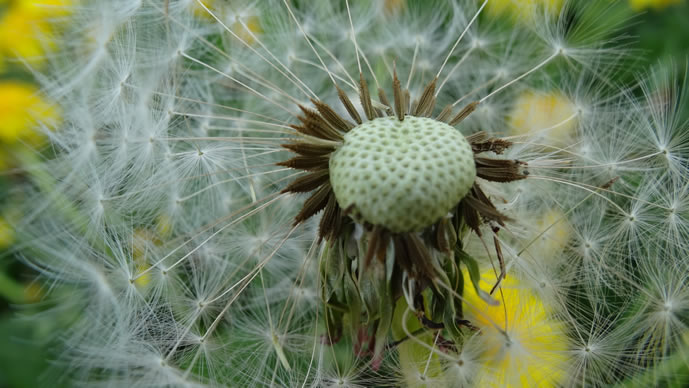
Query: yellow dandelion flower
x=26 y=28
x=22 y=108
x=639 y=5
x=247 y=28
x=521 y=344
x=143 y=242
x=164 y=225
x=551 y=115
x=41 y=8
x=522 y=10
x=143 y=280
x=200 y=12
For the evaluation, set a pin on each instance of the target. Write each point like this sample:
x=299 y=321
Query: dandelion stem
x=308 y=41
x=545 y=62
x=245 y=282
x=460 y=39
x=454 y=68
x=356 y=46
x=413 y=64
x=275 y=196
x=430 y=354
x=247 y=45
x=477 y=89
x=247 y=87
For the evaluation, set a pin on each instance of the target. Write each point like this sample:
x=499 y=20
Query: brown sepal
x=442 y=231
x=314 y=204
x=302 y=128
x=308 y=163
x=384 y=100
x=317 y=125
x=419 y=256
x=427 y=100
x=332 y=117
x=499 y=170
x=399 y=97
x=308 y=149
x=349 y=107
x=466 y=111
x=307 y=182
x=377 y=245
x=469 y=215
x=482 y=142
x=330 y=224
x=445 y=114
x=478 y=200
x=365 y=97
x=402 y=255
x=414 y=105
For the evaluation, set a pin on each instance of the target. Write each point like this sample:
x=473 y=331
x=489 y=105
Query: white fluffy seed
x=402 y=175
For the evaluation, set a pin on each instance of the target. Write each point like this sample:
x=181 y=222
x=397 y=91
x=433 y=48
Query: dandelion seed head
x=372 y=172
x=190 y=197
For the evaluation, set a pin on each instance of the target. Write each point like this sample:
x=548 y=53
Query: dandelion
x=26 y=28
x=553 y=114
x=23 y=109
x=290 y=194
x=528 y=349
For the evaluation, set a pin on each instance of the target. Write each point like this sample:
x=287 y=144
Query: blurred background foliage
x=658 y=32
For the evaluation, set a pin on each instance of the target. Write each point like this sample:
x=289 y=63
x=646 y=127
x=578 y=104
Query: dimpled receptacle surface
x=402 y=175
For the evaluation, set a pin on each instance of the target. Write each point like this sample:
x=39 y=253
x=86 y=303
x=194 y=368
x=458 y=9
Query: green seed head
x=402 y=175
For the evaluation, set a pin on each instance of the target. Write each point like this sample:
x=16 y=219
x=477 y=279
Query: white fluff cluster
x=158 y=202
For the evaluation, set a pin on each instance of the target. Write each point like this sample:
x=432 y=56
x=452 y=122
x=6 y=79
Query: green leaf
x=475 y=276
x=386 y=310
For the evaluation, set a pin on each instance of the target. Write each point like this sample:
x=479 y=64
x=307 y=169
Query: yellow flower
x=252 y=25
x=199 y=11
x=522 y=10
x=146 y=240
x=22 y=109
x=26 y=28
x=46 y=10
x=163 y=225
x=143 y=240
x=639 y=5
x=521 y=344
x=551 y=115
